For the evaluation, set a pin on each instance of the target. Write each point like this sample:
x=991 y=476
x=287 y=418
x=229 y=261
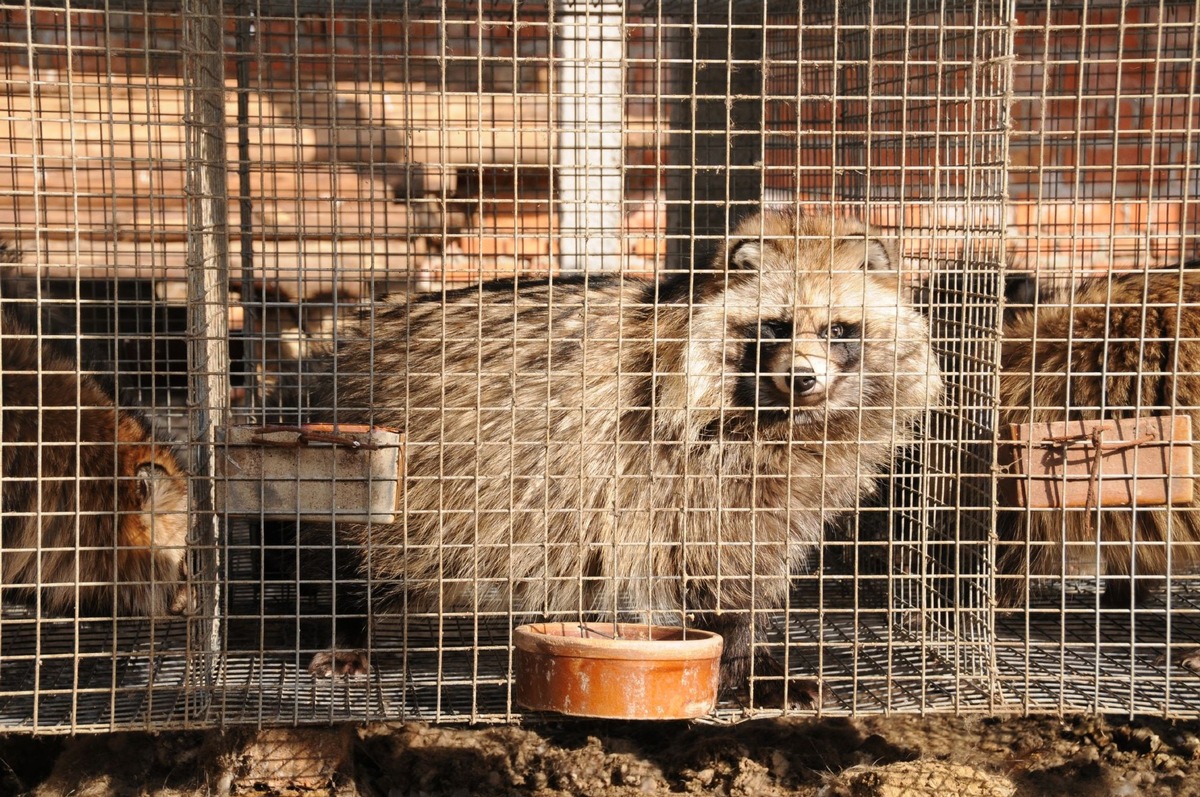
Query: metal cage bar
x=466 y=152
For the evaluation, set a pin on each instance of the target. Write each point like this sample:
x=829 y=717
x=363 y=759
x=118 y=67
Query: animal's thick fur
x=1123 y=347
x=603 y=445
x=94 y=507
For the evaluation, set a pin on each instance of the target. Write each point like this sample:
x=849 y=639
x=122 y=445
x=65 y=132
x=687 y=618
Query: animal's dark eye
x=774 y=330
x=845 y=333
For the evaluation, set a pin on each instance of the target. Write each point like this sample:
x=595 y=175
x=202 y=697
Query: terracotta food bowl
x=617 y=670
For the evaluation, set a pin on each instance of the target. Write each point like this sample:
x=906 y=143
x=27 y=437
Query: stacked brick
x=1102 y=158
x=1103 y=152
x=360 y=129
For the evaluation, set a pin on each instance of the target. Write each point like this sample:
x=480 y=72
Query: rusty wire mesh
x=206 y=203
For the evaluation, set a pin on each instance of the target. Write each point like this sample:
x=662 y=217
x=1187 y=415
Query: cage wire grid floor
x=1059 y=656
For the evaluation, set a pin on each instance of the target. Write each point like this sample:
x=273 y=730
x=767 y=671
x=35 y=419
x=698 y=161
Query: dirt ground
x=873 y=757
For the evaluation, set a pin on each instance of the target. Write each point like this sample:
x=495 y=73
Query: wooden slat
x=354 y=267
x=93 y=119
x=124 y=119
x=369 y=219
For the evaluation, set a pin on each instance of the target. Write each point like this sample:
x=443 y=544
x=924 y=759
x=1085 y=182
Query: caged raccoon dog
x=1122 y=347
x=603 y=445
x=94 y=507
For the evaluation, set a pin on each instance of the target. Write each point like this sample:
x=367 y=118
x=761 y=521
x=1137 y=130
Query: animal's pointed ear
x=744 y=254
x=882 y=255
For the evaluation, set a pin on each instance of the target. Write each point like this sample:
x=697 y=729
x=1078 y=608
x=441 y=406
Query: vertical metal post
x=208 y=299
x=591 y=112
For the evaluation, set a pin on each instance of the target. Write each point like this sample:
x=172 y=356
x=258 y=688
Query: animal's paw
x=339 y=664
x=181 y=602
x=1187 y=659
x=793 y=694
x=1125 y=593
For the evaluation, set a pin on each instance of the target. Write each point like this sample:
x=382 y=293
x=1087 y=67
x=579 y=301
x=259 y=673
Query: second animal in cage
x=1119 y=348
x=95 y=504
x=612 y=446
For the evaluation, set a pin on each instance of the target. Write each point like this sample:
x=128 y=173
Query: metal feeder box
x=1116 y=462
x=314 y=472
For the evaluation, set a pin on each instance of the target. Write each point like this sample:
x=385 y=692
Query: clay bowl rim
x=635 y=641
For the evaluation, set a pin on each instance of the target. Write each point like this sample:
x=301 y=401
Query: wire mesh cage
x=362 y=335
x=1102 y=232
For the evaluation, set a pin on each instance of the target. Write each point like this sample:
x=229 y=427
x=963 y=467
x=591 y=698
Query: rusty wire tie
x=1095 y=439
x=305 y=437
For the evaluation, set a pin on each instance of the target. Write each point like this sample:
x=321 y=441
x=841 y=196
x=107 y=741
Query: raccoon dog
x=1123 y=347
x=94 y=507
x=600 y=445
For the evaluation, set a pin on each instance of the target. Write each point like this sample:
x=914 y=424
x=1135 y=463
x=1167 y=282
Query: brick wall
x=1103 y=167
x=1103 y=159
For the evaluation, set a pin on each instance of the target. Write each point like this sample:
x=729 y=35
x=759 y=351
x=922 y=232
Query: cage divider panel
x=909 y=96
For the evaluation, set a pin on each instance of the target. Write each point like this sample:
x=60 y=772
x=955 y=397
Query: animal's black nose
x=803 y=382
